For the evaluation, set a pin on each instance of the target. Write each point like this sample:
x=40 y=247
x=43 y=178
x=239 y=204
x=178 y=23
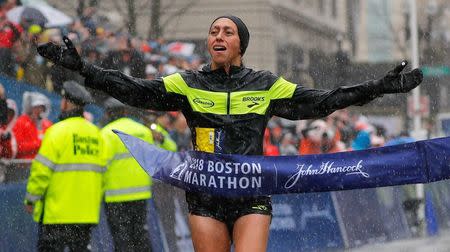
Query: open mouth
x=219 y=48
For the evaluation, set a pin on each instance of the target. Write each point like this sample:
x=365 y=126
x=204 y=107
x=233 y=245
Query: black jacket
x=228 y=113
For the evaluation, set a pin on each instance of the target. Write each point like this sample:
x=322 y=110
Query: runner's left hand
x=397 y=82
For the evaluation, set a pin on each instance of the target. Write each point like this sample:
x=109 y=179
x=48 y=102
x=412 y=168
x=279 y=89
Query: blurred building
x=283 y=33
x=377 y=30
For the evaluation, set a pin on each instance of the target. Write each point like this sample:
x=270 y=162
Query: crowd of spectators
x=341 y=131
x=99 y=43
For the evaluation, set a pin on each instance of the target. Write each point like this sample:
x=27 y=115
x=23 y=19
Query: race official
x=64 y=190
x=127 y=186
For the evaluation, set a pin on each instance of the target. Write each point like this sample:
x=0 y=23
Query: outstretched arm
x=307 y=103
x=149 y=94
x=132 y=91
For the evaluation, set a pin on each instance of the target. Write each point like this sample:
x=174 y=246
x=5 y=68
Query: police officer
x=126 y=184
x=64 y=190
x=161 y=136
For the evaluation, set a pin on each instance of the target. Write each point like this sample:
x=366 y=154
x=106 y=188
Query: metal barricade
x=14 y=170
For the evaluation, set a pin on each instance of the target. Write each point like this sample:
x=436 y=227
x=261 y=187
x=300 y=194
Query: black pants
x=55 y=237
x=128 y=224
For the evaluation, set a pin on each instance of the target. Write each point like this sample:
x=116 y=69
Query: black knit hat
x=244 y=35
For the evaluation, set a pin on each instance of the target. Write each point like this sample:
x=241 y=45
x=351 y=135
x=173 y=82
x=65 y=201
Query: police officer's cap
x=112 y=104
x=76 y=93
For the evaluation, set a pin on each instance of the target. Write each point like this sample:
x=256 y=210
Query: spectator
x=8 y=112
x=378 y=136
x=8 y=142
x=9 y=34
x=91 y=54
x=32 y=124
x=320 y=138
x=343 y=126
x=269 y=149
x=125 y=58
x=3 y=105
x=287 y=145
x=312 y=138
x=171 y=66
x=402 y=138
x=34 y=66
x=162 y=137
x=150 y=72
x=181 y=133
x=362 y=141
x=276 y=135
x=160 y=124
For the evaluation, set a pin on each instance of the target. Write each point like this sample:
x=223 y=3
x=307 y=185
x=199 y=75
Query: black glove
x=67 y=56
x=397 y=82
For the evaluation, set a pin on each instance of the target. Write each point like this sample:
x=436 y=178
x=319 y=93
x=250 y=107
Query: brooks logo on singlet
x=254 y=99
x=252 y=105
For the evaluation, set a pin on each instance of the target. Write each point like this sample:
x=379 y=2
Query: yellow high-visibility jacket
x=124 y=179
x=168 y=143
x=65 y=183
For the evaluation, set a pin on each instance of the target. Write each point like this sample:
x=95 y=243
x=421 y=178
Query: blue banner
x=304 y=222
x=240 y=175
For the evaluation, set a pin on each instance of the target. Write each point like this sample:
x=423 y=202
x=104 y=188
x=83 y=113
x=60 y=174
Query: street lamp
x=418 y=132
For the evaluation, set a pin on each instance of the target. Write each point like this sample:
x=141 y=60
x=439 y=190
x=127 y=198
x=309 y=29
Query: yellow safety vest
x=168 y=143
x=124 y=179
x=65 y=183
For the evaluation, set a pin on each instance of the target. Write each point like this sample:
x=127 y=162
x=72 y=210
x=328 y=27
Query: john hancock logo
x=203 y=102
x=325 y=168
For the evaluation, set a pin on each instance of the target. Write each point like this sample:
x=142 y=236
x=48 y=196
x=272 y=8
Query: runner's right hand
x=67 y=56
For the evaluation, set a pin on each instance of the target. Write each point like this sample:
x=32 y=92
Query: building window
x=334 y=8
x=290 y=61
x=282 y=60
x=321 y=6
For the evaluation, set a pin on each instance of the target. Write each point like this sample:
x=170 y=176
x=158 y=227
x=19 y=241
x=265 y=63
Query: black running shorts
x=227 y=210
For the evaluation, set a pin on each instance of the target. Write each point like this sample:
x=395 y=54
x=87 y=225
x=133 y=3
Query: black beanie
x=244 y=35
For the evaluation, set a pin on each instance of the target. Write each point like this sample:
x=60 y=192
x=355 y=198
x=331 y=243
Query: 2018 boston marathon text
x=244 y=175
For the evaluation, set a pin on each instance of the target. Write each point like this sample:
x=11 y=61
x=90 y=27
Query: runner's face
x=224 y=43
